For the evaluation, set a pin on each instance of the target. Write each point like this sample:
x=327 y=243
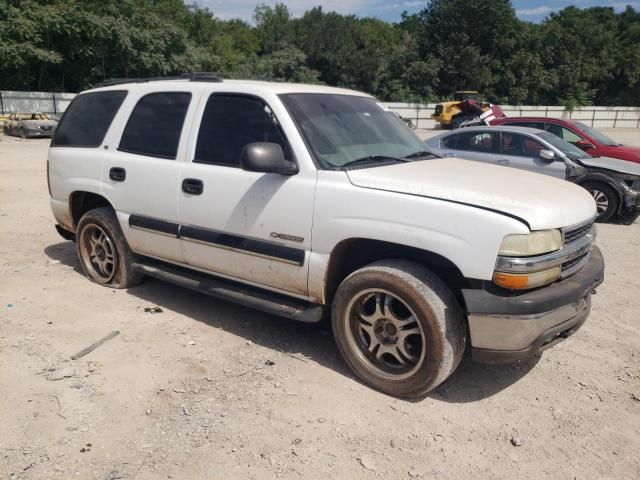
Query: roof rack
x=191 y=77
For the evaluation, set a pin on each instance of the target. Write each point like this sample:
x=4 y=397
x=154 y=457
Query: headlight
x=534 y=243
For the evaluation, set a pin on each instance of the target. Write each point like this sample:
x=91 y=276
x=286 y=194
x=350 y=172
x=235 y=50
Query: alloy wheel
x=385 y=334
x=98 y=253
x=602 y=201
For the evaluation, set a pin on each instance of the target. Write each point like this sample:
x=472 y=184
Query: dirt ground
x=206 y=389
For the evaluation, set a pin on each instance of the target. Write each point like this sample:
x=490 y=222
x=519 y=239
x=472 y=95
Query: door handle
x=192 y=186
x=503 y=161
x=117 y=174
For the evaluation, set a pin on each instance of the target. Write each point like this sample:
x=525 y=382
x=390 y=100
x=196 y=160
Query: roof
x=535 y=119
x=229 y=86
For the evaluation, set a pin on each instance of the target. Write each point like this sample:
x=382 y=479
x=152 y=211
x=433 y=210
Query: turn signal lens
x=534 y=243
x=514 y=281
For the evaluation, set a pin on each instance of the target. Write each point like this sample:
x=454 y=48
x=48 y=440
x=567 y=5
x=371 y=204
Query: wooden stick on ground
x=95 y=345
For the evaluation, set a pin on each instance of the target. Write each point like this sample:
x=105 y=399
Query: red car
x=582 y=136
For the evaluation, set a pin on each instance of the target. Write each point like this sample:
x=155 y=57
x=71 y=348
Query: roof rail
x=191 y=77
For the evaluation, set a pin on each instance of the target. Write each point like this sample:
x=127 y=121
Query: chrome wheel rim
x=98 y=253
x=384 y=334
x=602 y=201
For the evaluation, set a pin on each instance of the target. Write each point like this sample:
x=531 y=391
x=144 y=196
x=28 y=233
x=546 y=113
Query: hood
x=623 y=152
x=612 y=164
x=539 y=200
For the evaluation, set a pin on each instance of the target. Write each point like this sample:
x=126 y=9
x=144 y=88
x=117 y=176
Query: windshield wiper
x=374 y=158
x=420 y=153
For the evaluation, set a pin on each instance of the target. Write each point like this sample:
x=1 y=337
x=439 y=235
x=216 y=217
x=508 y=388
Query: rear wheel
x=605 y=197
x=103 y=251
x=398 y=327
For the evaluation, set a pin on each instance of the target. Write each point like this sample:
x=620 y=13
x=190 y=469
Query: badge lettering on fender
x=284 y=236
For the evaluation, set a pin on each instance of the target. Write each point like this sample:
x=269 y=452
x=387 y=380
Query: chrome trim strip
x=550 y=260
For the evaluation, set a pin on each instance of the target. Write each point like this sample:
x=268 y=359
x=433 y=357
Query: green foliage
x=574 y=57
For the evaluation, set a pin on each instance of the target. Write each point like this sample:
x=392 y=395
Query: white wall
x=599 y=117
x=44 y=102
x=420 y=114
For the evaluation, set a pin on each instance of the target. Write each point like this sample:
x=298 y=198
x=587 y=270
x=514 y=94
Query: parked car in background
x=28 y=125
x=614 y=184
x=587 y=138
x=300 y=199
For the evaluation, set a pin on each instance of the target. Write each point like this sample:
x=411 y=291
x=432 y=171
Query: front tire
x=398 y=327
x=102 y=249
x=606 y=199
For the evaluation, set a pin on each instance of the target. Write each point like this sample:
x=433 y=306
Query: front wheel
x=398 y=327
x=103 y=251
x=605 y=197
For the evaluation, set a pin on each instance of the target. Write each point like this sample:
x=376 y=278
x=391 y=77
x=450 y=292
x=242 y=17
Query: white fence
x=420 y=114
x=599 y=117
x=44 y=102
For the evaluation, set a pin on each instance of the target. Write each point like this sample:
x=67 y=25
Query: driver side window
x=519 y=145
x=562 y=132
x=230 y=122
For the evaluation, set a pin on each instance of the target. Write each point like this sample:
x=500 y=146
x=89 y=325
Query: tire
x=459 y=119
x=104 y=255
x=23 y=134
x=412 y=299
x=606 y=198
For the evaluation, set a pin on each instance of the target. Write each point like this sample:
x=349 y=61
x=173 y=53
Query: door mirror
x=584 y=144
x=266 y=158
x=548 y=155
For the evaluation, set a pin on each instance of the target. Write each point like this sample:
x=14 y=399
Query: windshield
x=340 y=129
x=595 y=134
x=571 y=151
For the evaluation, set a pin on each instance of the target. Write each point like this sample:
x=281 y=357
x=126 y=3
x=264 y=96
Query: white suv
x=300 y=199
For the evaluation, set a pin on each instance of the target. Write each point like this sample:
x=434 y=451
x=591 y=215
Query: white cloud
x=243 y=9
x=534 y=12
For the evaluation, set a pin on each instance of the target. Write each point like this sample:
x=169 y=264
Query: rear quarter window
x=87 y=119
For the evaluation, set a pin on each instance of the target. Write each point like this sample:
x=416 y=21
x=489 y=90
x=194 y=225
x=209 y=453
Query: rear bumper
x=506 y=328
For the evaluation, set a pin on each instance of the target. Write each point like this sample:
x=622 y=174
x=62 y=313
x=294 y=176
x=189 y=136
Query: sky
x=390 y=10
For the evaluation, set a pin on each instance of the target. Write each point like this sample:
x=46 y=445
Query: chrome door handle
x=503 y=161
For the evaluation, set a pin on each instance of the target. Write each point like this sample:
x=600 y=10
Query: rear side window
x=538 y=125
x=230 y=122
x=87 y=119
x=483 y=142
x=155 y=125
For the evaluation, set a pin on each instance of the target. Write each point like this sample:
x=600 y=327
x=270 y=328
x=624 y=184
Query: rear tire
x=398 y=327
x=104 y=255
x=606 y=199
x=459 y=120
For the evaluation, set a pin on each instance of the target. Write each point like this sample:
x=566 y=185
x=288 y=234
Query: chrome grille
x=573 y=234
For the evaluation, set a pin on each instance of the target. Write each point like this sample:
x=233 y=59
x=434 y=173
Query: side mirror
x=548 y=155
x=584 y=144
x=266 y=158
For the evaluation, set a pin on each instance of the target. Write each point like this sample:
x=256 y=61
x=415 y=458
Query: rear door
x=522 y=151
x=141 y=171
x=251 y=226
x=480 y=146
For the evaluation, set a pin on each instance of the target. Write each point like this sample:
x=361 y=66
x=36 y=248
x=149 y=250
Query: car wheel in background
x=398 y=327
x=606 y=199
x=102 y=249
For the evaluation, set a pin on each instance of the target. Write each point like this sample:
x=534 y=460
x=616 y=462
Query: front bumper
x=508 y=327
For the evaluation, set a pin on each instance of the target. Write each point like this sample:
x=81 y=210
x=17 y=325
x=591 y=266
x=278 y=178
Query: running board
x=236 y=292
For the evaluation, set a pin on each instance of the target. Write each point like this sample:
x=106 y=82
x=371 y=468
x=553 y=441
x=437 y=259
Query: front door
x=251 y=226
x=523 y=152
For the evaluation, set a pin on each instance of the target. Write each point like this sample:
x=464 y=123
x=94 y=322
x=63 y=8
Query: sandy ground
x=210 y=390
